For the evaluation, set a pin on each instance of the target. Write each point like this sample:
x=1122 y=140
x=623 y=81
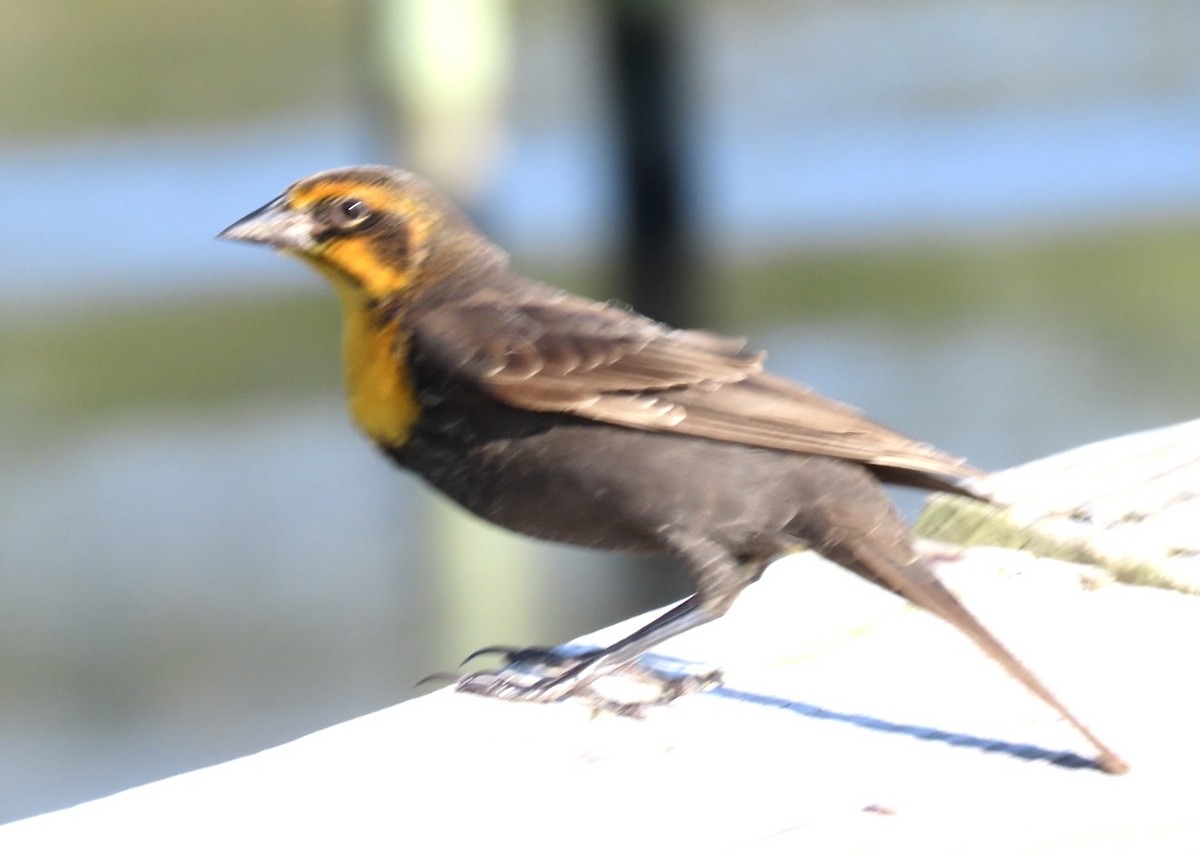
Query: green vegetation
x=1135 y=286
x=129 y=63
x=62 y=374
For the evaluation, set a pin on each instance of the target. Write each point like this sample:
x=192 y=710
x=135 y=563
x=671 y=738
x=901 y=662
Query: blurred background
x=976 y=220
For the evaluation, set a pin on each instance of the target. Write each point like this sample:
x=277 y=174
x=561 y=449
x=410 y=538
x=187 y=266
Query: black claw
x=549 y=657
x=530 y=656
x=503 y=649
x=446 y=677
x=514 y=654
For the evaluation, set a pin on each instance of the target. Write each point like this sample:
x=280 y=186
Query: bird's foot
x=551 y=661
x=545 y=675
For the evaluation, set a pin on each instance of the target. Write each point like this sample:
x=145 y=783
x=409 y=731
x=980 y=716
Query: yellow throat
x=374 y=365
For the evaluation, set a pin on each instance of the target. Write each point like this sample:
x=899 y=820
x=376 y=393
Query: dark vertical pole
x=655 y=270
x=655 y=266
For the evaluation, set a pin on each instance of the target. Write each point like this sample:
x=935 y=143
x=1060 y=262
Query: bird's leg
x=558 y=658
x=571 y=673
x=719 y=578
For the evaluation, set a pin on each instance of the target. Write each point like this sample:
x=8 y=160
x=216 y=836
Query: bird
x=586 y=423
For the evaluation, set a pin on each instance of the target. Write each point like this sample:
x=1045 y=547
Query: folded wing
x=554 y=352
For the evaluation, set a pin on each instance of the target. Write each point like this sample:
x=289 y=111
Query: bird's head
x=374 y=230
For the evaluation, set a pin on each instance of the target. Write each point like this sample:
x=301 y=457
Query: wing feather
x=553 y=352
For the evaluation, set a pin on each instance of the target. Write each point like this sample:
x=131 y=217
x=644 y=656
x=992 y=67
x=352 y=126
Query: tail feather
x=917 y=583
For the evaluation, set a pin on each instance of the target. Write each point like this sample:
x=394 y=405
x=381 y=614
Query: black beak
x=274 y=224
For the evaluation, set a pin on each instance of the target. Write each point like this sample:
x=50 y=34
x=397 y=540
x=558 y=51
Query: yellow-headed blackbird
x=586 y=423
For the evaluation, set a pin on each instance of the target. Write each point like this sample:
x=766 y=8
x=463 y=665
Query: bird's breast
x=378 y=386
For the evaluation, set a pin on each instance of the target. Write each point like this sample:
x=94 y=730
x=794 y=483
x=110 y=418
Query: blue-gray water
x=149 y=206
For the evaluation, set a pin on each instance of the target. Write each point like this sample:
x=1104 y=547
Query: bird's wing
x=554 y=352
x=560 y=353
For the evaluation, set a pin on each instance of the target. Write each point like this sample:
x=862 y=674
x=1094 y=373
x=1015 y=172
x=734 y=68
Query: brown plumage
x=586 y=423
x=546 y=351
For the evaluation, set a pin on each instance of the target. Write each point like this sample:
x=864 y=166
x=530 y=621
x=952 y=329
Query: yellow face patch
x=355 y=260
x=363 y=273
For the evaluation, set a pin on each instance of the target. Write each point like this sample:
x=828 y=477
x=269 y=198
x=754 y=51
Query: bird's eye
x=349 y=213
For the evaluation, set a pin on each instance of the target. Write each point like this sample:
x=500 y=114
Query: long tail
x=916 y=582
